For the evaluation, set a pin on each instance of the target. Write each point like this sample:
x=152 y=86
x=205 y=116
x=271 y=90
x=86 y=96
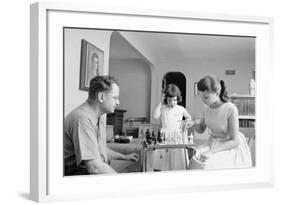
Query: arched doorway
x=179 y=80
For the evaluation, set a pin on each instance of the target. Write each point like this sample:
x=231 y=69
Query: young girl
x=171 y=120
x=226 y=147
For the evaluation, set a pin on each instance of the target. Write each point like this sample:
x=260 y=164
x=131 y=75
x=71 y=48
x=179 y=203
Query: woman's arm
x=199 y=125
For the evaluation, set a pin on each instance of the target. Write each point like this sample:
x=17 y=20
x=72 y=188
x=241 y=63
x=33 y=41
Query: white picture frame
x=46 y=179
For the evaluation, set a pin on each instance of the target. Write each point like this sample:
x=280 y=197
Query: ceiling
x=181 y=47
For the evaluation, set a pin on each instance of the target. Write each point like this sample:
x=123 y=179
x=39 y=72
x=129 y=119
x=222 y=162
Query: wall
x=195 y=69
x=136 y=74
x=72 y=95
x=135 y=82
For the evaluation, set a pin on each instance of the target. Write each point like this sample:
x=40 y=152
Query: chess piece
x=148 y=136
x=190 y=139
x=159 y=138
x=154 y=139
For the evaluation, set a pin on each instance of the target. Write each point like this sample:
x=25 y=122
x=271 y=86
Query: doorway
x=179 y=80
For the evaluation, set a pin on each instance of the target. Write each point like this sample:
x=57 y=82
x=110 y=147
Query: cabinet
x=133 y=130
x=116 y=119
x=246 y=109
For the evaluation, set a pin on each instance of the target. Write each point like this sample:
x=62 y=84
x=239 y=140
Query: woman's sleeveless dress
x=216 y=120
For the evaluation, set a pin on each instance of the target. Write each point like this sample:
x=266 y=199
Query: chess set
x=164 y=137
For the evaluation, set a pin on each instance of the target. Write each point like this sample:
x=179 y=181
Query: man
x=85 y=150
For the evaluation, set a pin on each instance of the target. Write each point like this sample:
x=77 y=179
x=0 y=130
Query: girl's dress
x=171 y=159
x=216 y=120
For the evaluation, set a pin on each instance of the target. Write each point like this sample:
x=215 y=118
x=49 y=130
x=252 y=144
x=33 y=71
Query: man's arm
x=117 y=155
x=98 y=167
x=114 y=155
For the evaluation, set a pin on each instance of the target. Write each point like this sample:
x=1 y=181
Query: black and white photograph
x=170 y=102
x=131 y=102
x=140 y=102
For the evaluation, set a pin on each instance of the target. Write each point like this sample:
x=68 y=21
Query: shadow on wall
x=134 y=76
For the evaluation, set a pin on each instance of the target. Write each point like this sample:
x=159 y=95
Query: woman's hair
x=212 y=84
x=172 y=91
x=99 y=84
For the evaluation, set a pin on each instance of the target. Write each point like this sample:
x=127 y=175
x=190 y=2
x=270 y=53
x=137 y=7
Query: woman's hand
x=207 y=154
x=186 y=124
x=133 y=157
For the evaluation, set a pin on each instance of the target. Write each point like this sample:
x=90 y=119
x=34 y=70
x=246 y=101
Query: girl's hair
x=172 y=91
x=99 y=84
x=212 y=84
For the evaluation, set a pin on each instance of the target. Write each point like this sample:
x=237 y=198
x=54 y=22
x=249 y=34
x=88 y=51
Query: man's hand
x=98 y=167
x=133 y=157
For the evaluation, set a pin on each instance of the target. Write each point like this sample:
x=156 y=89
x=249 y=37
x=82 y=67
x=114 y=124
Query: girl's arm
x=186 y=115
x=157 y=112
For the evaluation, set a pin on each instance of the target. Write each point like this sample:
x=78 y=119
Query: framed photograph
x=195 y=88
x=140 y=47
x=91 y=64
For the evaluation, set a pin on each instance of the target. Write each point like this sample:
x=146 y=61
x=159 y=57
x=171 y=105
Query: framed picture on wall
x=195 y=88
x=91 y=63
x=54 y=80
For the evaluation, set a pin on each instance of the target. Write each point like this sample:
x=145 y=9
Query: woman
x=226 y=147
